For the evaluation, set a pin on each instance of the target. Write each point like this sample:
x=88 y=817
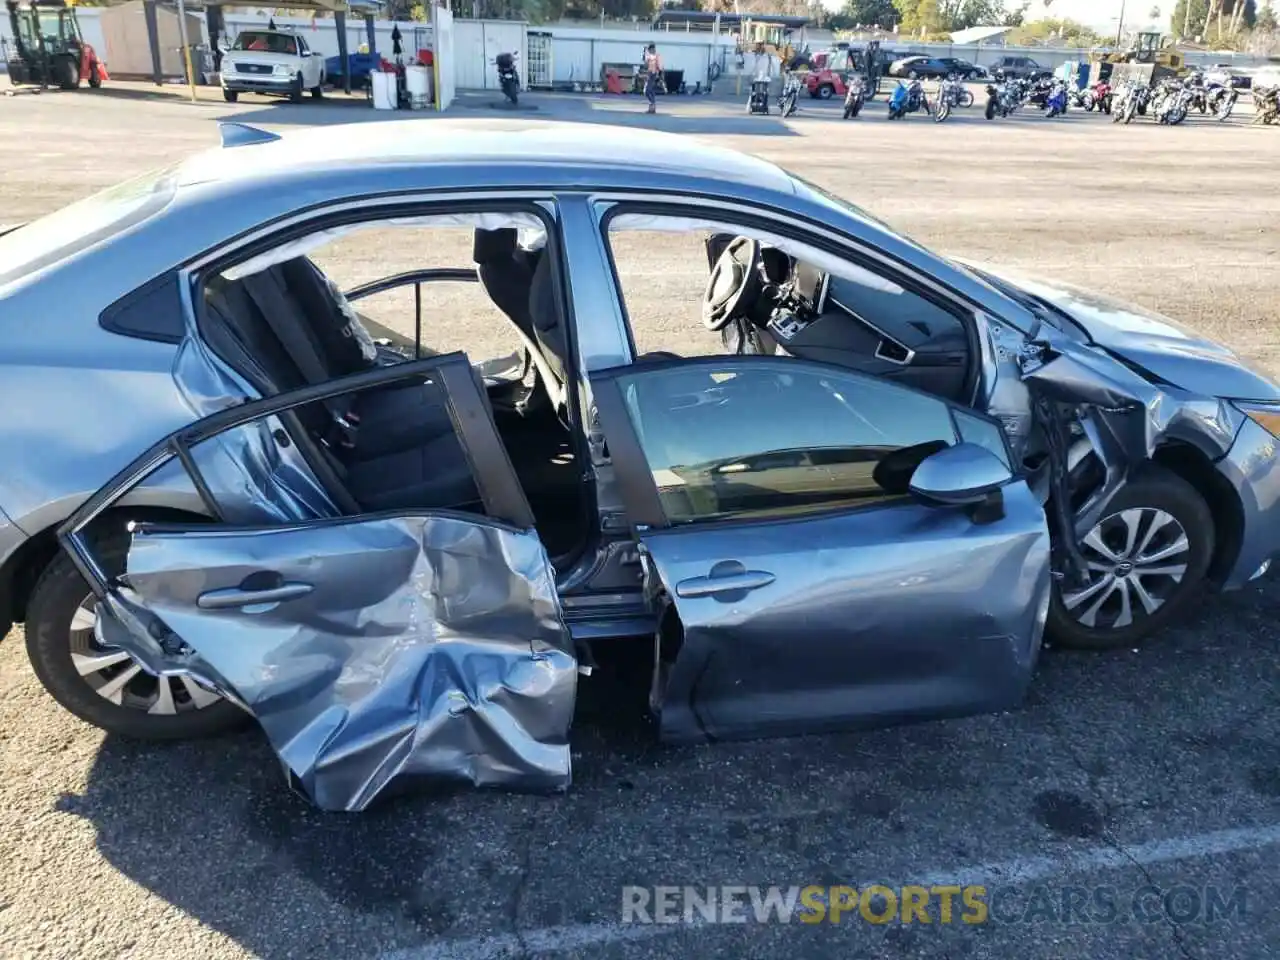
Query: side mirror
x=960 y=476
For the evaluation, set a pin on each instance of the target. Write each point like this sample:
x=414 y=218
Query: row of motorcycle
x=908 y=97
x=1171 y=101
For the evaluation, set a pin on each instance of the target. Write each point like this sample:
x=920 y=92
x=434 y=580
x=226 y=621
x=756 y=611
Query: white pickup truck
x=273 y=62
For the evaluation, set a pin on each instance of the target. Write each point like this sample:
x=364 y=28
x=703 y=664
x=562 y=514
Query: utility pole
x=1120 y=28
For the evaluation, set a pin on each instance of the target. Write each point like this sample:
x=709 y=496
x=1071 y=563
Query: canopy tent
x=213 y=14
x=978 y=34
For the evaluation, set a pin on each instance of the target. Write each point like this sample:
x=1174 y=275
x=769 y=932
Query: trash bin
x=673 y=80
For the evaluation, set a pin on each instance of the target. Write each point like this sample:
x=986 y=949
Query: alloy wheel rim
x=117 y=677
x=1136 y=560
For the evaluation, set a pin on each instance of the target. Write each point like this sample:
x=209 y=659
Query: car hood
x=1151 y=341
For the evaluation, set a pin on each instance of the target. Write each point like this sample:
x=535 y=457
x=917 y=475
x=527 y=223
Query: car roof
x=479 y=143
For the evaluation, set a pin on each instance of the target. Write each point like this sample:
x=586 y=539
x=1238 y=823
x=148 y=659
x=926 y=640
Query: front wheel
x=826 y=91
x=295 y=94
x=95 y=78
x=70 y=75
x=231 y=96
x=943 y=111
x=990 y=112
x=1147 y=563
x=317 y=92
x=103 y=685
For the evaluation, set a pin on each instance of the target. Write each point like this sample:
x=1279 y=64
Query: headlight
x=1265 y=415
x=282 y=70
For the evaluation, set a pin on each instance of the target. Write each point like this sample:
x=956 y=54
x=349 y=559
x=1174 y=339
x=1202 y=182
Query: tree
x=1153 y=13
x=1187 y=17
x=1014 y=18
x=1065 y=33
x=1266 y=22
x=880 y=13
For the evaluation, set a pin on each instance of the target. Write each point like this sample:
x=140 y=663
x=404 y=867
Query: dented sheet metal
x=1125 y=416
x=371 y=650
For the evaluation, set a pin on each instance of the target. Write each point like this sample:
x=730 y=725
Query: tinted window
x=265 y=41
x=775 y=437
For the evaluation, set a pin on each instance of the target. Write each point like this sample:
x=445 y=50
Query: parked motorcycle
x=951 y=94
x=907 y=98
x=508 y=78
x=1130 y=100
x=1037 y=94
x=1173 y=104
x=855 y=95
x=758 y=99
x=1004 y=98
x=1266 y=105
x=1221 y=100
x=1097 y=97
x=1056 y=101
x=790 y=95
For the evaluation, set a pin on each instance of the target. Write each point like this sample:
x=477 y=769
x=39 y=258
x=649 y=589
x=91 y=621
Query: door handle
x=725 y=583
x=230 y=597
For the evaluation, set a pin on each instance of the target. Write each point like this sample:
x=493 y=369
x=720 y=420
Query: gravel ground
x=1139 y=770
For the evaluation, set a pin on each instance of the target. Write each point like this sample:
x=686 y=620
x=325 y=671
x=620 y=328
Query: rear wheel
x=103 y=685
x=943 y=111
x=990 y=112
x=826 y=91
x=1147 y=561
x=95 y=78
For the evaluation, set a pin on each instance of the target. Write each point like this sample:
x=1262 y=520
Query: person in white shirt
x=762 y=70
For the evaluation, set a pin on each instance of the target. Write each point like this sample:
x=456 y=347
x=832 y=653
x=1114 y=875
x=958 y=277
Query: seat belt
x=265 y=292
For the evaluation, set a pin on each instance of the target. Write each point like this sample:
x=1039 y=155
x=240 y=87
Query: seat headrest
x=492 y=245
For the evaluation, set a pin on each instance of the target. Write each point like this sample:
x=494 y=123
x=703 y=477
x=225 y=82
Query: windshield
x=76 y=228
x=267 y=42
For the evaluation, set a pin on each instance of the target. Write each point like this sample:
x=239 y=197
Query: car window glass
x=456 y=315
x=663 y=275
x=302 y=47
x=774 y=437
x=984 y=433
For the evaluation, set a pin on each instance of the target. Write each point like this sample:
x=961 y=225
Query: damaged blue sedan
x=881 y=481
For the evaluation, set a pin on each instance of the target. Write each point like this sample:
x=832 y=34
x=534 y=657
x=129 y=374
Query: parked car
x=274 y=62
x=1228 y=75
x=1021 y=68
x=249 y=500
x=922 y=68
x=963 y=68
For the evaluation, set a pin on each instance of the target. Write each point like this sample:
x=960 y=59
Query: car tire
x=295 y=95
x=58 y=597
x=317 y=92
x=70 y=78
x=231 y=96
x=95 y=78
x=1152 y=494
x=826 y=91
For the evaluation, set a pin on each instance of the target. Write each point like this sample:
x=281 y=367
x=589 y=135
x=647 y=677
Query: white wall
x=578 y=52
x=477 y=43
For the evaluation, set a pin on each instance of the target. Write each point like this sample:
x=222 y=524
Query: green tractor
x=48 y=49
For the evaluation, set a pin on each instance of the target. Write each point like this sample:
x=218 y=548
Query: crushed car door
x=838 y=550
x=371 y=647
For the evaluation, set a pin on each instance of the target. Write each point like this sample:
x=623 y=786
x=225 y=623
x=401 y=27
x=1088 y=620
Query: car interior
x=395 y=447
x=763 y=299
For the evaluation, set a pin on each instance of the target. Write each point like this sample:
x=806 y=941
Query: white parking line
x=1017 y=871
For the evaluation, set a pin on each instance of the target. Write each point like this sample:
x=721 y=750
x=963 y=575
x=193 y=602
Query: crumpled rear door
x=372 y=648
x=375 y=648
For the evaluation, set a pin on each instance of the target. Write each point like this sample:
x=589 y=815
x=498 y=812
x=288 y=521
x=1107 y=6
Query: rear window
x=78 y=227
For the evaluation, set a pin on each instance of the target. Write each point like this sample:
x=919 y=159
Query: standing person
x=653 y=69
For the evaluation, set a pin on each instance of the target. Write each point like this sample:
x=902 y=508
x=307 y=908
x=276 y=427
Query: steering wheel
x=734 y=284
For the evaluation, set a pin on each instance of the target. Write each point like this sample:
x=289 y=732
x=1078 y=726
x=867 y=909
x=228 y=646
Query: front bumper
x=1252 y=468
x=256 y=83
